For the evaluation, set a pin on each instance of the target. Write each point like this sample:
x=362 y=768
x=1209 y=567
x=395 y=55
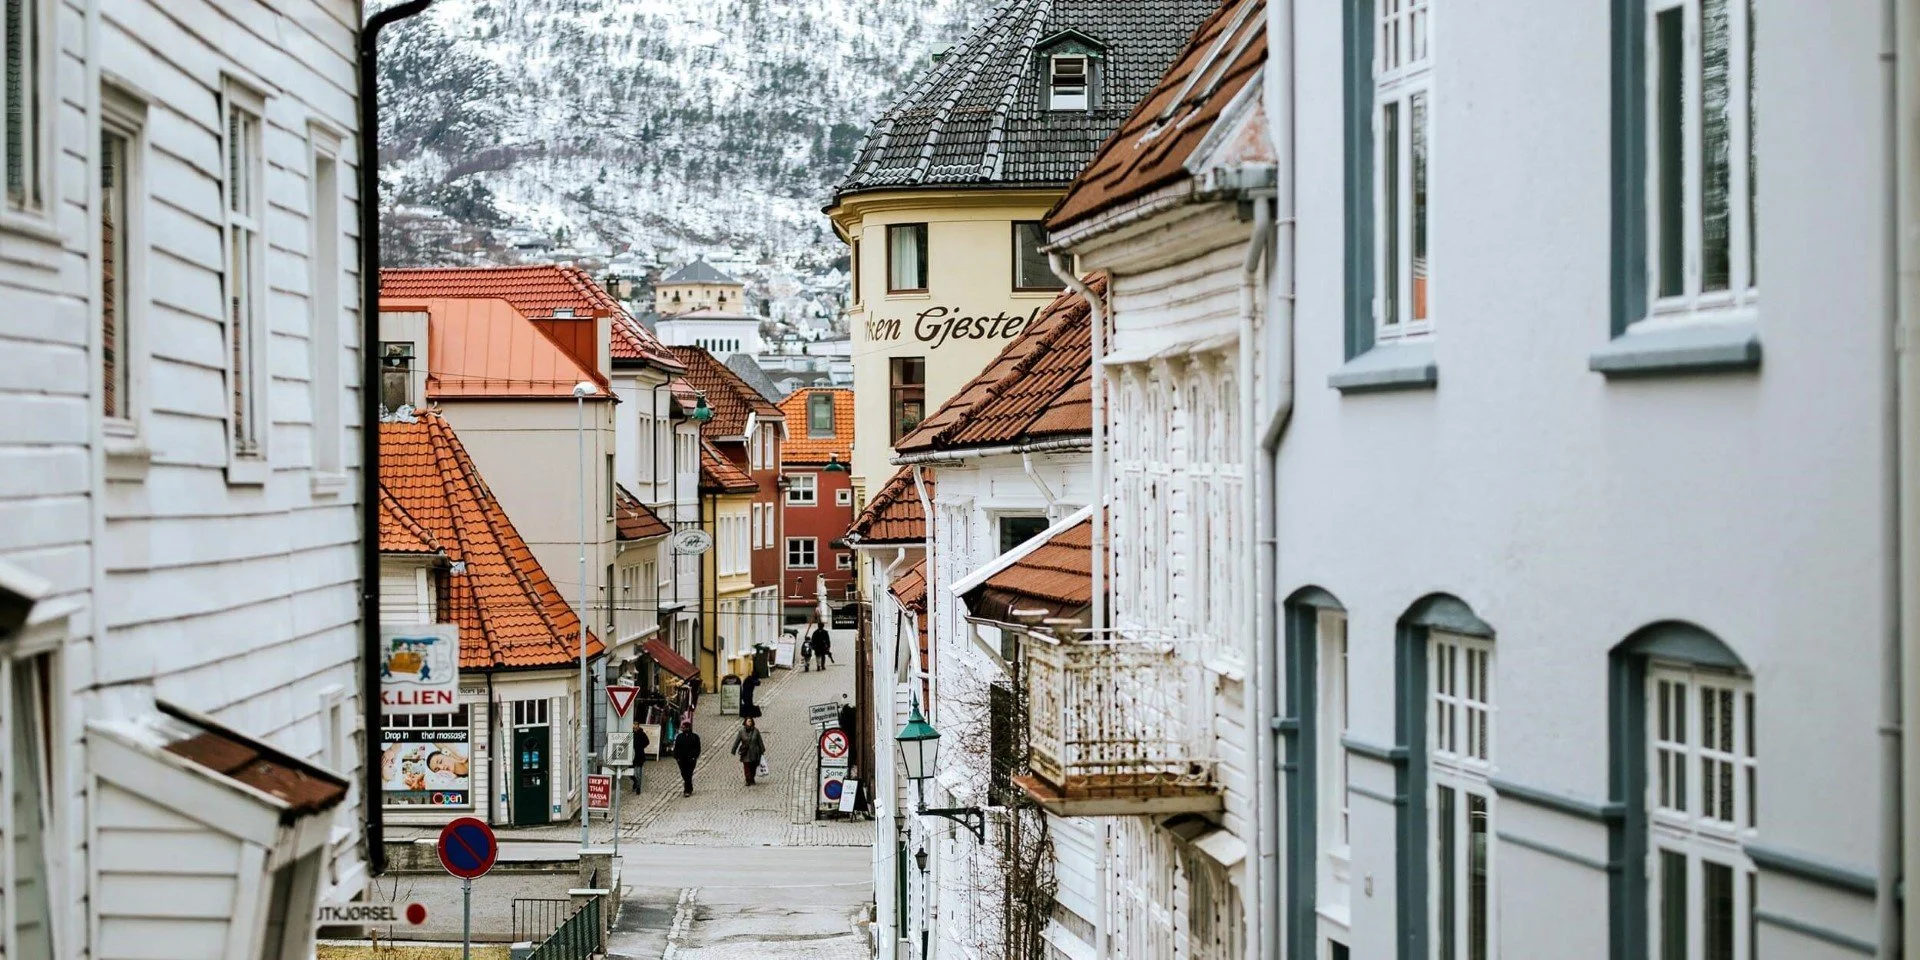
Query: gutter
x=1097 y=321
x=970 y=453
x=368 y=138
x=1900 y=667
x=1257 y=506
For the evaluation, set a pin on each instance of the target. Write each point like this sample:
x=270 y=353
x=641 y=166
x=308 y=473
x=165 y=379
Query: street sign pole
x=467 y=849
x=616 y=813
x=466 y=918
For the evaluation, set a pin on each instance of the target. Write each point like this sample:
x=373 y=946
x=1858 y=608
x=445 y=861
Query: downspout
x=926 y=547
x=1254 y=505
x=369 y=144
x=1097 y=322
x=1026 y=463
x=1280 y=283
x=1900 y=669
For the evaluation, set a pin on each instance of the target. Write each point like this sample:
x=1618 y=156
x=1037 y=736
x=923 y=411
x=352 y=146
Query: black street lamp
x=919 y=749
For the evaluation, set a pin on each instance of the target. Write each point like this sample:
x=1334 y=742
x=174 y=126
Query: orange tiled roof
x=484 y=348
x=730 y=397
x=1056 y=578
x=1151 y=148
x=400 y=532
x=633 y=520
x=800 y=446
x=510 y=614
x=1038 y=388
x=910 y=589
x=719 y=475
x=894 y=514
x=536 y=291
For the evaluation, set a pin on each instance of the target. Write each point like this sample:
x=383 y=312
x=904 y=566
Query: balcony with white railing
x=1117 y=726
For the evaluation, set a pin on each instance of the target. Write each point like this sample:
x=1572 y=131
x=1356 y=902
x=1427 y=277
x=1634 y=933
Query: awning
x=669 y=659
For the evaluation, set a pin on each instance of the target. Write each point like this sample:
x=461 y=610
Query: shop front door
x=530 y=792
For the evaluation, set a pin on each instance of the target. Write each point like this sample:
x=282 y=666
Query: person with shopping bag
x=750 y=748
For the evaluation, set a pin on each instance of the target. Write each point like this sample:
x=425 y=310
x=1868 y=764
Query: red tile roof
x=730 y=397
x=893 y=515
x=720 y=475
x=303 y=787
x=509 y=613
x=801 y=446
x=400 y=532
x=1038 y=388
x=536 y=291
x=910 y=587
x=485 y=348
x=633 y=520
x=1153 y=145
x=1055 y=579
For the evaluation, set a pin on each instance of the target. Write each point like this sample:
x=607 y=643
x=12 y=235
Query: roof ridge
x=407 y=519
x=444 y=442
x=997 y=130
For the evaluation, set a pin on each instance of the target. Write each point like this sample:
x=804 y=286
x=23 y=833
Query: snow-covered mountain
x=580 y=128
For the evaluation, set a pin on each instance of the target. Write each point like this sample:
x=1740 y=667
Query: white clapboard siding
x=1077 y=864
x=167 y=885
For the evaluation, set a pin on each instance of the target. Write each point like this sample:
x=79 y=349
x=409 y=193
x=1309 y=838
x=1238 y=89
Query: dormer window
x=1067 y=83
x=563 y=313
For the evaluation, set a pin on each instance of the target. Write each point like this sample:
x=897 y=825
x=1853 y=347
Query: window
x=1030 y=268
x=530 y=713
x=1067 y=83
x=245 y=290
x=843 y=498
x=1702 y=790
x=396 y=375
x=801 y=490
x=323 y=342
x=908 y=395
x=1460 y=752
x=907 y=258
x=1015 y=531
x=117 y=272
x=1330 y=730
x=26 y=32
x=1402 y=133
x=1700 y=216
x=843 y=561
x=800 y=553
x=820 y=414
x=29 y=715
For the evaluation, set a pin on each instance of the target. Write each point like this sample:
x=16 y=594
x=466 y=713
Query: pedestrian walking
x=686 y=752
x=642 y=745
x=822 y=645
x=748 y=687
x=748 y=746
x=806 y=654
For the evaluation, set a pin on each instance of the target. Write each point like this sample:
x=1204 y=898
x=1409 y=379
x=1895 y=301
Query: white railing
x=1117 y=716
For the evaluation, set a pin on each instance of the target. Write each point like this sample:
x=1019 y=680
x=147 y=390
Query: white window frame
x=123 y=433
x=843 y=561
x=325 y=347
x=1331 y=790
x=41 y=661
x=1461 y=708
x=245 y=242
x=36 y=211
x=808 y=548
x=1081 y=101
x=795 y=489
x=1402 y=72
x=1678 y=817
x=1692 y=304
x=843 y=497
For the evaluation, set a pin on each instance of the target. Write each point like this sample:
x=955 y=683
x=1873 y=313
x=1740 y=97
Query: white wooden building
x=178 y=508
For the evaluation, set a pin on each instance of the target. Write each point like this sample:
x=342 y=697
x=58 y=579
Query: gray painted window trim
x=1391 y=801
x=1402 y=365
x=1707 y=348
x=1821 y=934
x=1438 y=611
x=1812 y=870
x=1374 y=751
x=1300 y=735
x=1584 y=809
x=1550 y=850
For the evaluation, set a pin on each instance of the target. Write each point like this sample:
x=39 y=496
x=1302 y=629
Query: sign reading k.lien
x=419 y=667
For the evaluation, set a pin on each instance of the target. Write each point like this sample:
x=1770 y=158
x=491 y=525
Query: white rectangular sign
x=620 y=749
x=419 y=667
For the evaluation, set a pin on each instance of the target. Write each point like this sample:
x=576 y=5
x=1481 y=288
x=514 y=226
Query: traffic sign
x=620 y=749
x=468 y=847
x=824 y=714
x=833 y=743
x=370 y=914
x=622 y=698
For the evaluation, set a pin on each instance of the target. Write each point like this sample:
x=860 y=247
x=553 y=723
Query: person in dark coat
x=822 y=645
x=686 y=752
x=642 y=745
x=846 y=717
x=748 y=746
x=747 y=687
x=806 y=654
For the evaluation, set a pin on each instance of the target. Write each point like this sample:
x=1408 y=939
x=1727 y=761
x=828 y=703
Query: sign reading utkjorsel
x=425 y=768
x=419 y=667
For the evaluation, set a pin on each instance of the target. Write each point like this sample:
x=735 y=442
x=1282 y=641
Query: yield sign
x=622 y=698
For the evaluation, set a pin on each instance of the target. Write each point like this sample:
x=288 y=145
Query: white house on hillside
x=179 y=515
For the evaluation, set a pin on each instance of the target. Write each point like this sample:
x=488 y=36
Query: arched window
x=1686 y=777
x=1314 y=781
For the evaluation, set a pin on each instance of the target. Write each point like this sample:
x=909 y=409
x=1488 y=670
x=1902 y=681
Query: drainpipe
x=1026 y=463
x=926 y=546
x=1097 y=321
x=1280 y=283
x=1253 y=506
x=1900 y=669
x=368 y=138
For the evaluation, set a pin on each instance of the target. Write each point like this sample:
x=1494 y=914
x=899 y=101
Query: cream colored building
x=698 y=286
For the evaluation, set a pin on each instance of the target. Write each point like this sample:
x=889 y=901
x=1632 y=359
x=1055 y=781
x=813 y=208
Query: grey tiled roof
x=755 y=377
x=699 y=271
x=975 y=117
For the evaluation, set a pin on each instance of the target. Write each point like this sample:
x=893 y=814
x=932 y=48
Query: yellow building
x=942 y=207
x=726 y=569
x=698 y=286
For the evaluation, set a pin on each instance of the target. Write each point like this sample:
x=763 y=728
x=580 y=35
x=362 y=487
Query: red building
x=818 y=498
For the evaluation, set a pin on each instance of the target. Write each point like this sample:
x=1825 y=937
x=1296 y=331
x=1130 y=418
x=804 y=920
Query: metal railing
x=535 y=920
x=577 y=939
x=1117 y=715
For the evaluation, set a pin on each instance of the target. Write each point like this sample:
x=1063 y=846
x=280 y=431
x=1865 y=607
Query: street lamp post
x=581 y=391
x=919 y=752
